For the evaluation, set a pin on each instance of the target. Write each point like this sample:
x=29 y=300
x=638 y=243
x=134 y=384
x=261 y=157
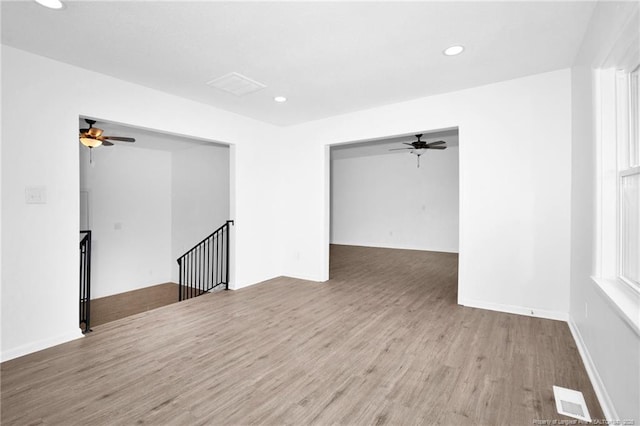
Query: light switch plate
x=35 y=195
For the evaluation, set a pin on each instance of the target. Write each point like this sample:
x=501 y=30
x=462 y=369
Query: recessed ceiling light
x=453 y=50
x=280 y=99
x=51 y=4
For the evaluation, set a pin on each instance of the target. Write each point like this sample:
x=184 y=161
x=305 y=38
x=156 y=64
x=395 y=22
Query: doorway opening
x=147 y=203
x=385 y=195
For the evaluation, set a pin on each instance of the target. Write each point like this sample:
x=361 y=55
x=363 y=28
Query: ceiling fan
x=420 y=147
x=92 y=137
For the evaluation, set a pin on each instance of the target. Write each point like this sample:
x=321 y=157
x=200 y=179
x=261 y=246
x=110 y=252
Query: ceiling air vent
x=236 y=84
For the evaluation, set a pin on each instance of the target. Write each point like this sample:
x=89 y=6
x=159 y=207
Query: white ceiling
x=327 y=58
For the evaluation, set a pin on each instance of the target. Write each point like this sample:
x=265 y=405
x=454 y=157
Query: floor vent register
x=571 y=403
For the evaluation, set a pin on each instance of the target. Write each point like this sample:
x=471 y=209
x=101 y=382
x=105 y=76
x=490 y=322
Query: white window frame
x=611 y=130
x=626 y=136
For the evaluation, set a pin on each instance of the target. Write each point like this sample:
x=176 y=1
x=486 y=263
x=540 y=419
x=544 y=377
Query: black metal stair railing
x=85 y=281
x=206 y=265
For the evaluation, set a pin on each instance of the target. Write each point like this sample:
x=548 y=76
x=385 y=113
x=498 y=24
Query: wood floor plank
x=383 y=342
x=122 y=305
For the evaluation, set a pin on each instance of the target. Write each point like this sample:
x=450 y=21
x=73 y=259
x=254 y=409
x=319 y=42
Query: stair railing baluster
x=206 y=265
x=226 y=261
x=218 y=260
x=85 y=281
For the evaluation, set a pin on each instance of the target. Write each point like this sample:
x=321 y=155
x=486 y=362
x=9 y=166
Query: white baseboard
x=39 y=345
x=396 y=246
x=596 y=381
x=234 y=286
x=282 y=276
x=513 y=309
x=305 y=278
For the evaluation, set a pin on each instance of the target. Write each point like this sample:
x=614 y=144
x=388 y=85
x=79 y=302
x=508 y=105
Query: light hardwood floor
x=383 y=342
x=122 y=305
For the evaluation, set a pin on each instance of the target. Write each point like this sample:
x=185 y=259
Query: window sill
x=623 y=298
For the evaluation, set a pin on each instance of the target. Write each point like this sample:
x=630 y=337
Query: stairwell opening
x=147 y=203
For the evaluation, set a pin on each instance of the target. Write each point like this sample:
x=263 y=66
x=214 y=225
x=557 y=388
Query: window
x=628 y=171
x=616 y=131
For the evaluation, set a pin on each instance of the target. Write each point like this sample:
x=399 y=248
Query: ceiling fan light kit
x=419 y=147
x=90 y=142
x=92 y=137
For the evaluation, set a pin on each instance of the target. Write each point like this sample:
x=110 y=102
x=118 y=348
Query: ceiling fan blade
x=436 y=143
x=410 y=144
x=437 y=147
x=118 y=138
x=107 y=143
x=399 y=149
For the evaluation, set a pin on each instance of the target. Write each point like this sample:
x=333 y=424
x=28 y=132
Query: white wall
x=611 y=346
x=515 y=140
x=41 y=102
x=387 y=201
x=1 y=198
x=200 y=196
x=130 y=217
